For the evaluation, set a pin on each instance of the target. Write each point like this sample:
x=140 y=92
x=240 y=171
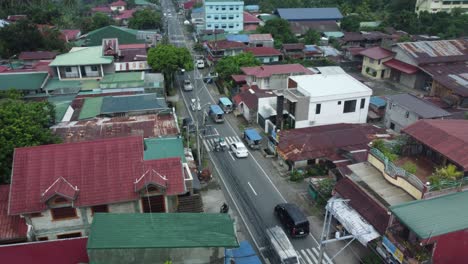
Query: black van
x=293 y=220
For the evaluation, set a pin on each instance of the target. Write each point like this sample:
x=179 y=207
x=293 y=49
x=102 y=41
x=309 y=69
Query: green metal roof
x=160 y=148
x=434 y=217
x=125 y=35
x=130 y=103
x=91 y=107
x=161 y=230
x=122 y=80
x=61 y=104
x=82 y=56
x=56 y=84
x=22 y=81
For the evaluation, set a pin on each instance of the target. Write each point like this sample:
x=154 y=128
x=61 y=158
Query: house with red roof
x=33 y=57
x=272 y=77
x=119 y=6
x=261 y=40
x=69 y=35
x=251 y=100
x=293 y=50
x=58 y=188
x=221 y=48
x=102 y=9
x=124 y=16
x=251 y=22
x=13 y=229
x=265 y=55
x=373 y=63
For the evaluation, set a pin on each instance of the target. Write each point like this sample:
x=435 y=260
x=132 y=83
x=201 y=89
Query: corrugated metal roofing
x=23 y=81
x=131 y=103
x=448 y=137
x=91 y=108
x=37 y=55
x=124 y=35
x=454 y=76
x=377 y=101
x=376 y=53
x=401 y=66
x=166 y=147
x=434 y=217
x=82 y=56
x=263 y=51
x=12 y=228
x=260 y=37
x=417 y=105
x=436 y=51
x=295 y=14
x=168 y=230
x=268 y=70
x=244 y=38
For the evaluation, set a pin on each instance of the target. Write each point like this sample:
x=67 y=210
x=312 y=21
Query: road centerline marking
x=253 y=190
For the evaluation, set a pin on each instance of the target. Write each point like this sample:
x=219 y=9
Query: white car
x=195 y=104
x=239 y=149
x=200 y=64
x=188 y=85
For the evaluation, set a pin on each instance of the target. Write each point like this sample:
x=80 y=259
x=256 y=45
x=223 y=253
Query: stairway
x=190 y=204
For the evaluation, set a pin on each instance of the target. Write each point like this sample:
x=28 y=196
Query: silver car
x=188 y=85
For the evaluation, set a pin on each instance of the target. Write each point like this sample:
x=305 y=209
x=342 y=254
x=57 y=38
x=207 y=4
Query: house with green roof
x=27 y=82
x=157 y=238
x=433 y=230
x=82 y=63
x=124 y=36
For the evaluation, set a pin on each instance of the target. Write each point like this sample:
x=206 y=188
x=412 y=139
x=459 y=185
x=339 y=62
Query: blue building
x=224 y=14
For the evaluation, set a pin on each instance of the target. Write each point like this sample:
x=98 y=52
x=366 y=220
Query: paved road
x=251 y=190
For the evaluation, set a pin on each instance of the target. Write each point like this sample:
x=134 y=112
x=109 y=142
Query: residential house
x=300 y=28
x=124 y=35
x=251 y=101
x=322 y=99
x=265 y=55
x=32 y=57
x=429 y=230
x=72 y=250
x=222 y=48
x=309 y=14
x=63 y=198
x=363 y=39
x=405 y=109
x=272 y=77
x=293 y=50
x=127 y=57
x=373 y=63
x=433 y=6
x=261 y=40
x=118 y=6
x=15 y=18
x=337 y=145
x=83 y=63
x=197 y=238
x=102 y=9
x=312 y=52
x=227 y=15
x=251 y=22
x=124 y=17
x=353 y=53
x=14 y=228
x=26 y=82
x=69 y=35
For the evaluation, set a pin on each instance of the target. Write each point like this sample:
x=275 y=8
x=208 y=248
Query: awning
x=401 y=66
x=352 y=221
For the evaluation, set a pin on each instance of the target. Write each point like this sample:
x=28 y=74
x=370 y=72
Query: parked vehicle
x=216 y=113
x=200 y=64
x=195 y=104
x=282 y=249
x=226 y=104
x=188 y=85
x=252 y=137
x=293 y=220
x=239 y=149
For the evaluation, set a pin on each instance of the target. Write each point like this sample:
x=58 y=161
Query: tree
x=311 y=37
x=145 y=19
x=350 y=23
x=19 y=36
x=168 y=59
x=279 y=29
x=22 y=124
x=53 y=40
x=98 y=20
x=228 y=66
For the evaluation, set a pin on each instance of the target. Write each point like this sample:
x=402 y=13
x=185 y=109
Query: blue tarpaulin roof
x=311 y=48
x=197 y=10
x=377 y=101
x=242 y=255
x=252 y=134
x=216 y=109
x=225 y=101
x=238 y=37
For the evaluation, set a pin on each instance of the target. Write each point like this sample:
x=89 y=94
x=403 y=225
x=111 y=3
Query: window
x=363 y=102
x=237 y=8
x=94 y=68
x=223 y=8
x=318 y=108
x=216 y=26
x=349 y=106
x=223 y=26
x=231 y=8
x=42 y=238
x=339 y=102
x=63 y=213
x=69 y=235
x=211 y=7
x=407 y=114
x=35 y=215
x=208 y=16
x=68 y=69
x=231 y=17
x=371 y=60
x=209 y=25
x=153 y=204
x=216 y=17
x=217 y=9
x=100 y=209
x=231 y=26
x=237 y=16
x=223 y=17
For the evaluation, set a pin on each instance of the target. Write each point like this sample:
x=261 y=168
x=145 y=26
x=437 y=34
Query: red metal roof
x=324 y=141
x=118 y=3
x=268 y=70
x=249 y=96
x=401 y=66
x=189 y=4
x=376 y=53
x=260 y=37
x=448 y=137
x=250 y=27
x=263 y=51
x=293 y=46
x=12 y=228
x=239 y=78
x=132 y=46
x=63 y=251
x=355 y=50
x=250 y=19
x=367 y=207
x=103 y=172
x=451 y=75
x=70 y=34
x=170 y=169
x=225 y=44
x=102 y=9
x=126 y=14
x=37 y=55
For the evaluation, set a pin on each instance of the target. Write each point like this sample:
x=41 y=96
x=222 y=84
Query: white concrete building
x=224 y=14
x=327 y=98
x=434 y=6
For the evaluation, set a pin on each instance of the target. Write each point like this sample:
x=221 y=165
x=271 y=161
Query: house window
x=407 y=114
x=217 y=8
x=363 y=103
x=209 y=25
x=216 y=17
x=339 y=102
x=231 y=26
x=100 y=209
x=231 y=17
x=211 y=7
x=349 y=106
x=223 y=8
x=94 y=68
x=69 y=235
x=237 y=8
x=153 y=204
x=223 y=17
x=231 y=8
x=237 y=16
x=318 y=109
x=42 y=238
x=63 y=213
x=208 y=16
x=223 y=26
x=68 y=69
x=216 y=26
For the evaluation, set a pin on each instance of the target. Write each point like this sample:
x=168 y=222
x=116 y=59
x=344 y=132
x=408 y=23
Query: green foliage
x=296 y=176
x=22 y=124
x=449 y=172
x=228 y=66
x=410 y=167
x=350 y=23
x=98 y=20
x=145 y=19
x=386 y=151
x=279 y=29
x=311 y=37
x=405 y=38
x=198 y=47
x=325 y=187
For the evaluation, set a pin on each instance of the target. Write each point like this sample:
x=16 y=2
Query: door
x=154 y=204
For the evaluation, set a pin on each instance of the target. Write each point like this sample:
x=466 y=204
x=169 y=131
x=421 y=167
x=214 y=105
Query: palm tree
x=448 y=172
